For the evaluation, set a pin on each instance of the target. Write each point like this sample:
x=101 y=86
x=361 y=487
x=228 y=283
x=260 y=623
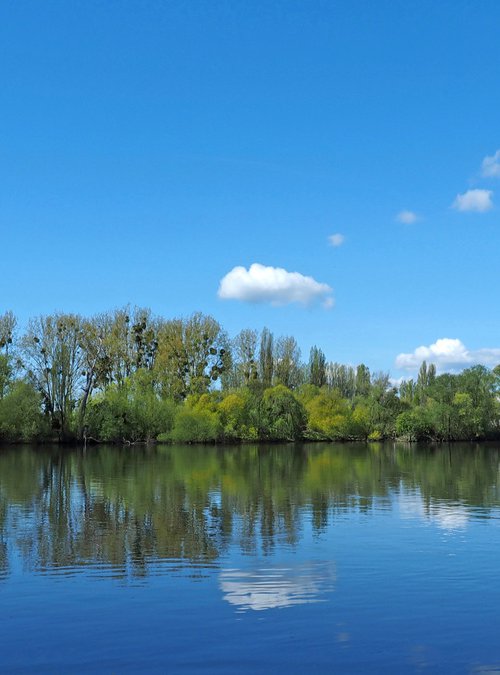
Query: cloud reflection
x=446 y=515
x=277 y=587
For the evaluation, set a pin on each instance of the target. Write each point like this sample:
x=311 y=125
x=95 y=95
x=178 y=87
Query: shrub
x=195 y=426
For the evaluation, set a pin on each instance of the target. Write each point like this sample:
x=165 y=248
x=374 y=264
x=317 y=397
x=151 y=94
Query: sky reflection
x=277 y=587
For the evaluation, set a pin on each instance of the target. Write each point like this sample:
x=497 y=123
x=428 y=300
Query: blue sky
x=149 y=148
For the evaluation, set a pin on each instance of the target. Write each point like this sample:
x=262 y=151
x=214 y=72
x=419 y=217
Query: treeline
x=127 y=376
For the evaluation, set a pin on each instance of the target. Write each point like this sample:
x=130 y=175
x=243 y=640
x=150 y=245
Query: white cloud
x=448 y=355
x=474 y=200
x=407 y=217
x=273 y=285
x=490 y=166
x=336 y=239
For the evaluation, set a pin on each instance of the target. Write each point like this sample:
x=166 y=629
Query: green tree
x=342 y=378
x=362 y=380
x=123 y=341
x=192 y=354
x=53 y=356
x=287 y=368
x=245 y=367
x=20 y=414
x=316 y=368
x=328 y=415
x=266 y=358
x=282 y=416
x=6 y=373
x=195 y=426
x=8 y=323
x=131 y=412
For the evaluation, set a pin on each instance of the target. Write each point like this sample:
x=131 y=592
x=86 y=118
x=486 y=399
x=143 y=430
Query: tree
x=407 y=391
x=316 y=368
x=384 y=404
x=195 y=425
x=363 y=381
x=53 y=355
x=266 y=358
x=478 y=384
x=20 y=414
x=233 y=414
x=328 y=414
x=127 y=340
x=442 y=413
x=8 y=323
x=282 y=417
x=95 y=363
x=287 y=370
x=245 y=357
x=342 y=378
x=192 y=354
x=131 y=412
x=426 y=378
x=5 y=374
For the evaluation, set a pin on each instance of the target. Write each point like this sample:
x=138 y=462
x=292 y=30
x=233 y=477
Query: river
x=322 y=558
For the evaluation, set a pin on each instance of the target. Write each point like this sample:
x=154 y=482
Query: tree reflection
x=131 y=509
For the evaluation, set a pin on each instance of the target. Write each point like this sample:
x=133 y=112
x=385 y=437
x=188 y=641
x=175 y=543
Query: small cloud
x=474 y=200
x=448 y=354
x=407 y=217
x=273 y=285
x=490 y=166
x=336 y=239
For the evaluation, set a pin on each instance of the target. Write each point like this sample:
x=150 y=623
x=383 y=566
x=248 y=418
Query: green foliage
x=234 y=416
x=282 y=416
x=266 y=358
x=54 y=358
x=328 y=415
x=316 y=369
x=21 y=418
x=192 y=354
x=287 y=370
x=8 y=323
x=359 y=422
x=195 y=426
x=6 y=373
x=245 y=367
x=130 y=413
x=414 y=425
x=125 y=376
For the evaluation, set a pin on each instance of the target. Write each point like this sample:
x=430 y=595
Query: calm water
x=282 y=559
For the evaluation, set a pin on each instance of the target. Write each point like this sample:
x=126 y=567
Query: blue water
x=322 y=558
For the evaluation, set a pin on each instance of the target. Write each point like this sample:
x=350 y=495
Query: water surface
x=280 y=559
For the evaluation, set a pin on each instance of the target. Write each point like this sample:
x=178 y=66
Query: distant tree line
x=127 y=376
